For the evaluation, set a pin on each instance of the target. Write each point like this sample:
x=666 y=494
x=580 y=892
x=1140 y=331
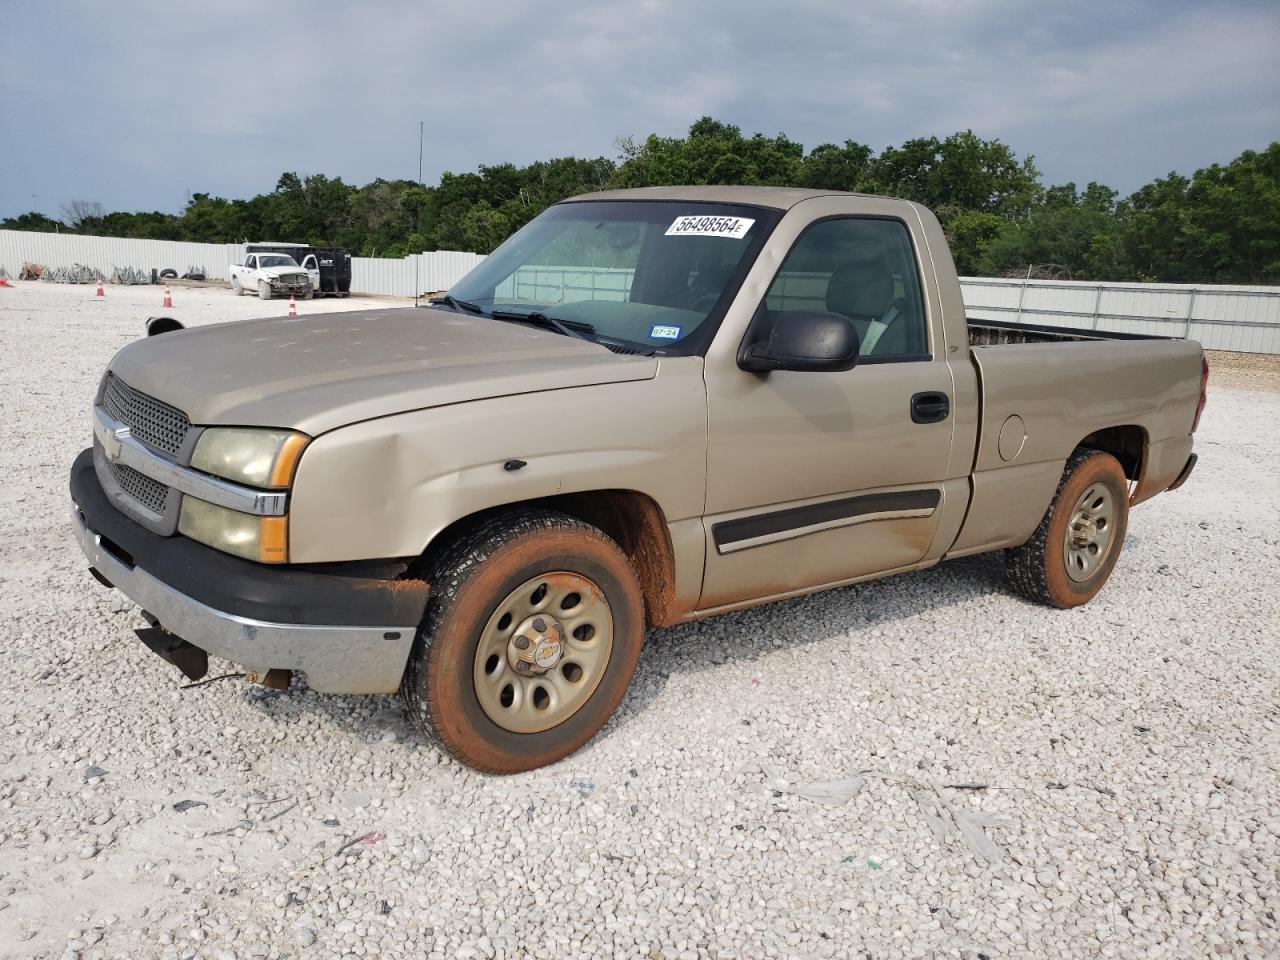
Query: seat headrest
x=861 y=290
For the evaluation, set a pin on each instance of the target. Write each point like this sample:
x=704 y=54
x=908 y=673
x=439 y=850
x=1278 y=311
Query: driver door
x=814 y=478
x=312 y=266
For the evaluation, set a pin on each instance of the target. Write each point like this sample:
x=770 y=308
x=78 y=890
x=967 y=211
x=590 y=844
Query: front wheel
x=531 y=637
x=264 y=290
x=1075 y=548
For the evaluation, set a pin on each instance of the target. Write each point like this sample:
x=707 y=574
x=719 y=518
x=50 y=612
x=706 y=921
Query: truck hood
x=317 y=373
x=280 y=271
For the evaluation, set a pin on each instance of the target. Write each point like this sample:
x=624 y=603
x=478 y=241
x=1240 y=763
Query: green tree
x=1221 y=224
x=32 y=221
x=1067 y=233
x=828 y=167
x=957 y=178
x=712 y=153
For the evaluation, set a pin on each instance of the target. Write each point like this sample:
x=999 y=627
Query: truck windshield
x=655 y=273
x=277 y=261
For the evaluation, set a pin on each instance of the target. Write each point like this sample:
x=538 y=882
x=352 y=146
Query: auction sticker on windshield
x=700 y=226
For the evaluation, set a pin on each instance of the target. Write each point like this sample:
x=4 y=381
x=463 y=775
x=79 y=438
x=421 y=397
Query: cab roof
x=779 y=198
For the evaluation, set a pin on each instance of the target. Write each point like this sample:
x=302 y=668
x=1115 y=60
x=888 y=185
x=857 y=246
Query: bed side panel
x=1039 y=400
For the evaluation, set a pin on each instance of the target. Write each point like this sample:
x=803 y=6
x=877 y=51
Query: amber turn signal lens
x=273 y=540
x=287 y=460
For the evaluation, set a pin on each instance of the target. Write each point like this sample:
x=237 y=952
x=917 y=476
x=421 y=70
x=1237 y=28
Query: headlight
x=259 y=458
x=265 y=539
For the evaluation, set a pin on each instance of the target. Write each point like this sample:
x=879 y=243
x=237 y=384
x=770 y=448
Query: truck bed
x=989 y=333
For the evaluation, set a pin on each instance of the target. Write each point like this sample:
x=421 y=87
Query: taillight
x=1204 y=391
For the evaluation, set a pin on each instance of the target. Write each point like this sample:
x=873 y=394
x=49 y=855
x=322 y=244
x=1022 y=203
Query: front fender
x=386 y=487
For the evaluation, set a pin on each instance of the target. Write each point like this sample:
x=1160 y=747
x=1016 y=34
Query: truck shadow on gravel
x=853 y=612
x=741 y=637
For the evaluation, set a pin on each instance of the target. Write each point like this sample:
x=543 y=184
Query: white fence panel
x=104 y=253
x=435 y=271
x=1221 y=317
x=1244 y=318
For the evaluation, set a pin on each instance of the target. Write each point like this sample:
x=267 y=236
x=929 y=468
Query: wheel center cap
x=537 y=644
x=1084 y=531
x=546 y=654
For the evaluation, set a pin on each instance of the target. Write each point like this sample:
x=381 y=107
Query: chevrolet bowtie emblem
x=113 y=442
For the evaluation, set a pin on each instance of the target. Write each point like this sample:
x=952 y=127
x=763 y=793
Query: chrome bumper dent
x=335 y=659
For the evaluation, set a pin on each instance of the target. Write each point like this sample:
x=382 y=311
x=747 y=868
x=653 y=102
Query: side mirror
x=804 y=340
x=159 y=325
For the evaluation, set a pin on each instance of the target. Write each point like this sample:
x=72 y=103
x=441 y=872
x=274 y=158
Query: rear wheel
x=532 y=634
x=1075 y=548
x=235 y=286
x=264 y=290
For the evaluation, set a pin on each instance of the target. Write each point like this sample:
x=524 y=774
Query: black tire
x=1038 y=569
x=470 y=582
x=169 y=274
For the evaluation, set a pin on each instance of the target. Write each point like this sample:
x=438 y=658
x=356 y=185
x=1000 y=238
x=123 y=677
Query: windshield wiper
x=570 y=328
x=575 y=328
x=457 y=304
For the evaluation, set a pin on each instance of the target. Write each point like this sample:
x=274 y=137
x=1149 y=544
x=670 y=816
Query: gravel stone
x=1122 y=757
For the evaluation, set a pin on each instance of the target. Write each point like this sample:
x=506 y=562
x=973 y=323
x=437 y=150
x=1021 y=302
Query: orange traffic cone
x=100 y=292
x=293 y=307
x=168 y=297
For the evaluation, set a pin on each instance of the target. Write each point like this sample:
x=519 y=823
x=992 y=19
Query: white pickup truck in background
x=271 y=274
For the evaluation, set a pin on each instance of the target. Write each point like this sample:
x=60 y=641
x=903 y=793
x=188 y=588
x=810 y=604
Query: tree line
x=1219 y=225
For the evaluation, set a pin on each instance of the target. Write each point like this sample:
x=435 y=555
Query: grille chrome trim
x=152 y=421
x=122 y=447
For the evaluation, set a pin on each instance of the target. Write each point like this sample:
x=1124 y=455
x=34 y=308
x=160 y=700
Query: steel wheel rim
x=1089 y=532
x=567 y=628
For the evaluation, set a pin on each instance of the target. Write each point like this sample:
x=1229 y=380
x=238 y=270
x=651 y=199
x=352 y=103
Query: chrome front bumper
x=335 y=659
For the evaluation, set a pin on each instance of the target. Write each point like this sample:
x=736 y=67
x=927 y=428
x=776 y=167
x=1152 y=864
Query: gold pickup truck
x=646 y=407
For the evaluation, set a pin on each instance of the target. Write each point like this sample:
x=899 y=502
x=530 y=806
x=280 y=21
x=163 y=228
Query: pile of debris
x=77 y=273
x=194 y=273
x=31 y=271
x=130 y=276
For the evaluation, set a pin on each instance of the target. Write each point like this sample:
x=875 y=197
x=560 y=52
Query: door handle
x=932 y=406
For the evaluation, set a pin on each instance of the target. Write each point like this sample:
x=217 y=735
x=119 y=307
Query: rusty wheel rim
x=543 y=652
x=1088 y=539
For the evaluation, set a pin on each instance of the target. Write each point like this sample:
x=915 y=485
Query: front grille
x=150 y=493
x=154 y=423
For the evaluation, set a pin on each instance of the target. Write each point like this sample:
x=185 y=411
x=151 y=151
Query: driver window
x=249 y=261
x=865 y=270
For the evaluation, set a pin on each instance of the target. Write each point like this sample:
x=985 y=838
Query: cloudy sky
x=134 y=104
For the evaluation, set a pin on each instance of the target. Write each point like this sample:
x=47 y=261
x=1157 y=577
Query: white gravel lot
x=1128 y=749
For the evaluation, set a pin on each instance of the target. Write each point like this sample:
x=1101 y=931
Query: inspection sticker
x=698 y=226
x=661 y=332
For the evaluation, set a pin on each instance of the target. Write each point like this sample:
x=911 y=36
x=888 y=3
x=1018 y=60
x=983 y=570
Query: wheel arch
x=1128 y=443
x=632 y=519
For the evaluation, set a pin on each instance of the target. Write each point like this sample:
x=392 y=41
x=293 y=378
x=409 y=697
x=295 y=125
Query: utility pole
x=417 y=254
